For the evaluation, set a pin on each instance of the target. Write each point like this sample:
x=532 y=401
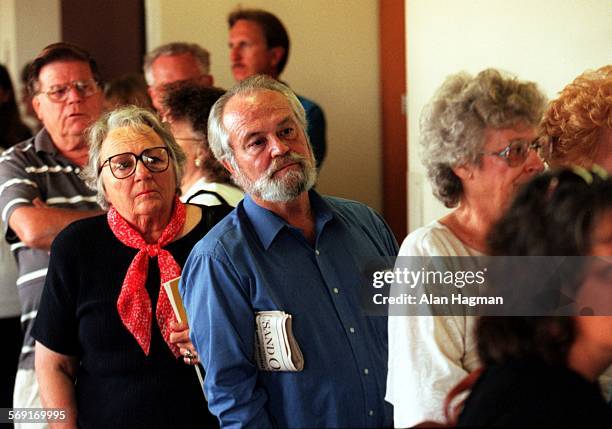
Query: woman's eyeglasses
x=123 y=165
x=518 y=150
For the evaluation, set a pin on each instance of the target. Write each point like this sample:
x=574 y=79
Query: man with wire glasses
x=40 y=188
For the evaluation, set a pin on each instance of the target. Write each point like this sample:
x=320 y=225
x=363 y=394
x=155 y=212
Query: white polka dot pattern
x=134 y=304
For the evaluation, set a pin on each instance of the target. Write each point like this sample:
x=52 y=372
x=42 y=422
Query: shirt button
x=352 y=330
x=371 y=412
x=317 y=252
x=366 y=371
x=336 y=291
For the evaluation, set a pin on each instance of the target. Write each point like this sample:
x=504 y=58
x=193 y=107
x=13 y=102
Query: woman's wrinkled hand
x=180 y=337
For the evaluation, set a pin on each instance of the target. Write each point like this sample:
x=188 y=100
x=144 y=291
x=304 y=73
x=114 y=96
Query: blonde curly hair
x=576 y=120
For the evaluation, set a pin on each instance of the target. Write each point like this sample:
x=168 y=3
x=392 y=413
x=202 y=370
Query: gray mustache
x=289 y=158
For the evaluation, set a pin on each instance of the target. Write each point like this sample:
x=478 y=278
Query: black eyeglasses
x=518 y=150
x=123 y=165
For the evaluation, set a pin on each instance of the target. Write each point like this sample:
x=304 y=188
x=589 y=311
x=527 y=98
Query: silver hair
x=453 y=124
x=139 y=120
x=218 y=135
x=176 y=48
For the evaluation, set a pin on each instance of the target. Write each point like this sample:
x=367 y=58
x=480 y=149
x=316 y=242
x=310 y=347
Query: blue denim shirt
x=254 y=261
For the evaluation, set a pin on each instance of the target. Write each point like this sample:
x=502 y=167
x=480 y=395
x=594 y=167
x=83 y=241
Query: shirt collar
x=43 y=143
x=267 y=224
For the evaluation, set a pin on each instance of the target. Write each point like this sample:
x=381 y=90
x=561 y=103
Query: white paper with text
x=276 y=349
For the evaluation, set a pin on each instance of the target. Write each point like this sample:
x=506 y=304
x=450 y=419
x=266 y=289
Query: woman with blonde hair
x=579 y=122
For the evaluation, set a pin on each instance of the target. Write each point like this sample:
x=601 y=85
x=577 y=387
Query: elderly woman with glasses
x=479 y=144
x=109 y=349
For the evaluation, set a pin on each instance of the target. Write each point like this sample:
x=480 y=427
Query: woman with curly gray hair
x=478 y=136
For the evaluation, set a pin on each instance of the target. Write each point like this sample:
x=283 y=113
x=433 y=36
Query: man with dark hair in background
x=259 y=44
x=40 y=188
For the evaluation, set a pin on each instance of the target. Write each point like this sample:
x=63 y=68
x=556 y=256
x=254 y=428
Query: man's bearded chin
x=283 y=189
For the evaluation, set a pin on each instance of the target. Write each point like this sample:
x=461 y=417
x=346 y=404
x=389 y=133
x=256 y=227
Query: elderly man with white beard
x=285 y=248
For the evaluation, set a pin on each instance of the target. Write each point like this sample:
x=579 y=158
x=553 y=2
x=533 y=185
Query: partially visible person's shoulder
x=350 y=207
x=82 y=233
x=19 y=152
x=433 y=239
x=529 y=391
x=364 y=222
x=356 y=213
x=212 y=215
x=85 y=225
x=226 y=233
x=23 y=146
x=308 y=104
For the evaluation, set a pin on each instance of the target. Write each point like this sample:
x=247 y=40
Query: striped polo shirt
x=35 y=169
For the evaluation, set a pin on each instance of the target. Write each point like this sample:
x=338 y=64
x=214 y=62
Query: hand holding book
x=172 y=290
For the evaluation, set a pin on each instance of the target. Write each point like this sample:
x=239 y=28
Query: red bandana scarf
x=134 y=304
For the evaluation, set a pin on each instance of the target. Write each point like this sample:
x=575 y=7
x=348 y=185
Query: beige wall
x=333 y=60
x=8 y=47
x=25 y=28
x=547 y=41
